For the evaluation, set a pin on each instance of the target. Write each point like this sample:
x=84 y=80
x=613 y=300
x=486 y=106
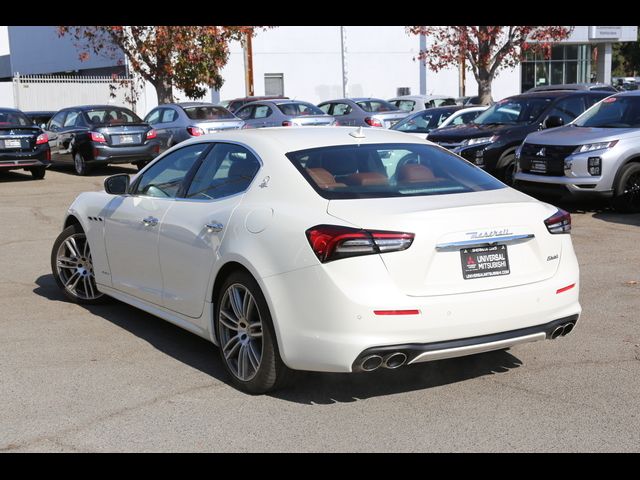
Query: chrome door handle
x=214 y=227
x=150 y=221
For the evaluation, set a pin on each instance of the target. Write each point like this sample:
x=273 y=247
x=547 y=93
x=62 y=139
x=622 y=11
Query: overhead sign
x=596 y=33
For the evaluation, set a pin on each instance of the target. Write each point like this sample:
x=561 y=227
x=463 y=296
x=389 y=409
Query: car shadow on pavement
x=16 y=176
x=308 y=388
x=601 y=210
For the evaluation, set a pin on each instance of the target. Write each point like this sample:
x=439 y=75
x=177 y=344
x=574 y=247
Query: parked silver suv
x=598 y=154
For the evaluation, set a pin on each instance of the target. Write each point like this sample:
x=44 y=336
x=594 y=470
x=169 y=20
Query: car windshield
x=207 y=113
x=11 y=117
x=389 y=170
x=444 y=102
x=422 y=122
x=376 y=106
x=512 y=111
x=299 y=108
x=612 y=112
x=111 y=116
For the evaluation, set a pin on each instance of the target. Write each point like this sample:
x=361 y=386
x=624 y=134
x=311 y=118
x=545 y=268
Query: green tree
x=186 y=57
x=626 y=58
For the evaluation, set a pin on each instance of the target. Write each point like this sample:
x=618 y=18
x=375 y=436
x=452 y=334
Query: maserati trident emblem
x=541 y=152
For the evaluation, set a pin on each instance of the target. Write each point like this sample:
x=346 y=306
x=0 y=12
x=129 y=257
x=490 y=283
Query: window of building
x=274 y=84
x=567 y=64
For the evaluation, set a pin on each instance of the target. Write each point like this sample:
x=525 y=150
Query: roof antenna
x=358 y=133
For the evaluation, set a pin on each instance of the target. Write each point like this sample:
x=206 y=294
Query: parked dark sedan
x=177 y=122
x=40 y=117
x=100 y=134
x=23 y=145
x=490 y=141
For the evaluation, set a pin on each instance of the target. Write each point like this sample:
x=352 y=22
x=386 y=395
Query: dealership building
x=317 y=63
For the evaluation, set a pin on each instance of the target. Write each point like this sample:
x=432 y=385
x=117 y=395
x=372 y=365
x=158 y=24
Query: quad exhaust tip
x=390 y=361
x=371 y=363
x=562 y=330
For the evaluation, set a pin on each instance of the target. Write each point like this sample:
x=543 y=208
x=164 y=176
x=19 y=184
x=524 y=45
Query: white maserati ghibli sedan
x=333 y=249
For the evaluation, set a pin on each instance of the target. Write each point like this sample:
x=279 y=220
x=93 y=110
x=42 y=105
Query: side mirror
x=117 y=184
x=553 y=121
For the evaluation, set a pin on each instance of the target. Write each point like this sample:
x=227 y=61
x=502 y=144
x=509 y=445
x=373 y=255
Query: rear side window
x=299 y=108
x=207 y=113
x=262 y=111
x=388 y=170
x=169 y=115
x=227 y=169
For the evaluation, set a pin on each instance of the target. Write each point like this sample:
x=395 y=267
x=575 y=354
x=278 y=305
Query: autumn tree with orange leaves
x=487 y=49
x=186 y=57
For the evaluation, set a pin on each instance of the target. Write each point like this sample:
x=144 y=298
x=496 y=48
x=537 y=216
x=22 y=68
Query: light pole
x=343 y=51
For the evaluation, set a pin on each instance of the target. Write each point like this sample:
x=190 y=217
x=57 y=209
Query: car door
x=340 y=112
x=194 y=226
x=153 y=118
x=246 y=114
x=132 y=224
x=66 y=135
x=264 y=116
x=53 y=129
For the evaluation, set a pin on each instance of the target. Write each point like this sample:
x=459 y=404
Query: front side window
x=295 y=109
x=612 y=112
x=169 y=115
x=226 y=170
x=164 y=178
x=389 y=170
x=71 y=120
x=245 y=113
x=514 y=111
x=56 y=122
x=325 y=108
x=153 y=117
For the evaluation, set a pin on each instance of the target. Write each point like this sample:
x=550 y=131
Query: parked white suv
x=596 y=155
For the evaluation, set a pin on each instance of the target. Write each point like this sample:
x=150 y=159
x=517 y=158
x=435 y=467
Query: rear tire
x=627 y=191
x=248 y=345
x=81 y=167
x=38 y=172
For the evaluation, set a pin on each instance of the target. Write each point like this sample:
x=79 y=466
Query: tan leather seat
x=323 y=178
x=366 y=178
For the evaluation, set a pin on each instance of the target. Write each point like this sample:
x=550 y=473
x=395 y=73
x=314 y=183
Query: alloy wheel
x=632 y=191
x=240 y=327
x=75 y=267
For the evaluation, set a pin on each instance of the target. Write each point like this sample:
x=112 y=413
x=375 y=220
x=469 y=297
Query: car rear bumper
x=327 y=327
x=16 y=160
x=560 y=186
x=107 y=154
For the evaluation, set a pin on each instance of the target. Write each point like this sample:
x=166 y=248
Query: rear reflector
x=331 y=242
x=397 y=312
x=564 y=289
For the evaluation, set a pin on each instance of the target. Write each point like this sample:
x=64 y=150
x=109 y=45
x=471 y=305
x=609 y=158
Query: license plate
x=12 y=143
x=482 y=262
x=126 y=138
x=539 y=166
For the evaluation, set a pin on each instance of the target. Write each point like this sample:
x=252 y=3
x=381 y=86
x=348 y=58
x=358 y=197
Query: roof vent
x=358 y=133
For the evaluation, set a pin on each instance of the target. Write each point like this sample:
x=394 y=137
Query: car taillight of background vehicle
x=287 y=123
x=559 y=222
x=97 y=137
x=151 y=134
x=42 y=138
x=195 y=131
x=332 y=242
x=373 y=122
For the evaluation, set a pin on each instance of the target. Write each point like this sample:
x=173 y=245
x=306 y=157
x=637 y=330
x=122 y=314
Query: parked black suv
x=23 y=145
x=100 y=134
x=490 y=141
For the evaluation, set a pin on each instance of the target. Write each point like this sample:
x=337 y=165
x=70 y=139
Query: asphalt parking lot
x=113 y=378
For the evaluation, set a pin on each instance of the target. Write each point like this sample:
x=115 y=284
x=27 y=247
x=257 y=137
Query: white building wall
x=6 y=95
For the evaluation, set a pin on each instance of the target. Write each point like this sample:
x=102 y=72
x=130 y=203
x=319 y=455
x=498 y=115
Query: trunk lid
x=124 y=135
x=313 y=120
x=479 y=217
x=18 y=138
x=212 y=126
x=391 y=118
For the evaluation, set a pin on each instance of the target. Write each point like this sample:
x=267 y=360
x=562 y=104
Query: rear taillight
x=195 y=131
x=287 y=123
x=559 y=222
x=373 y=122
x=151 y=134
x=42 y=138
x=331 y=242
x=97 y=137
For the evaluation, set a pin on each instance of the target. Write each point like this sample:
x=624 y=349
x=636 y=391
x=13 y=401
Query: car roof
x=40 y=112
x=421 y=97
x=572 y=86
x=552 y=94
x=256 y=97
x=94 y=107
x=10 y=109
x=191 y=104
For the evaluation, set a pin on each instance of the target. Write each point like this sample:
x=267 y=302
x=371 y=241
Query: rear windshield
x=376 y=106
x=299 y=108
x=444 y=102
x=11 y=117
x=389 y=170
x=207 y=113
x=111 y=116
x=612 y=112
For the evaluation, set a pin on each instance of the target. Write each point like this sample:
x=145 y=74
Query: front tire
x=248 y=346
x=38 y=172
x=508 y=171
x=627 y=190
x=80 y=165
x=72 y=267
